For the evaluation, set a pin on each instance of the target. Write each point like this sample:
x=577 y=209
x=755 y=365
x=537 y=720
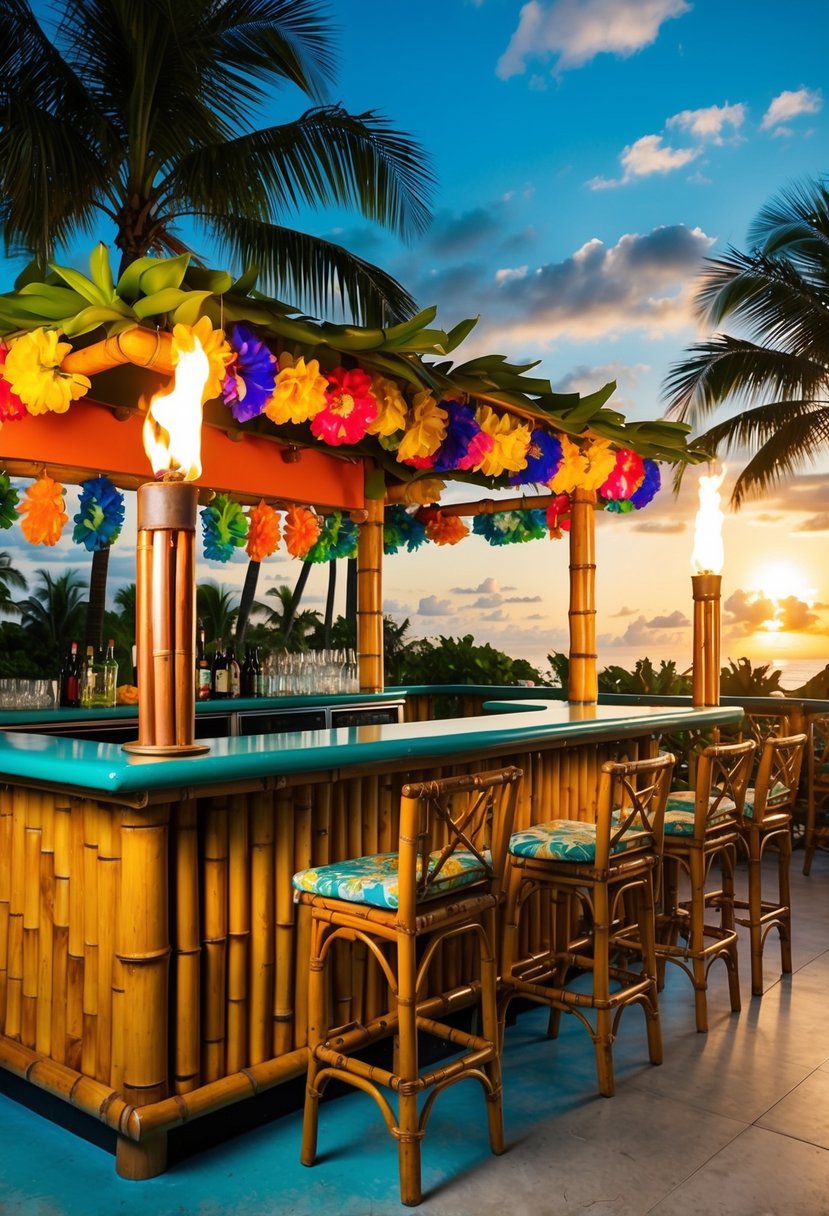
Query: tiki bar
x=201 y=901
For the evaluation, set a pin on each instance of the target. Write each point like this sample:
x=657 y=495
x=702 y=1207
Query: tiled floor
x=735 y=1122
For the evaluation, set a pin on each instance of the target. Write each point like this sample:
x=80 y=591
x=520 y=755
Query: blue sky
x=588 y=155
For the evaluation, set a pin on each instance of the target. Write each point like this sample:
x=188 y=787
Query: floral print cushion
x=564 y=840
x=778 y=797
x=374 y=880
x=679 y=813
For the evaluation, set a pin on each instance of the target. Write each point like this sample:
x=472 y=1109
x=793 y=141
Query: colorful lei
x=225 y=528
x=250 y=379
x=100 y=514
x=32 y=369
x=349 y=408
x=263 y=531
x=441 y=528
x=402 y=528
x=302 y=527
x=43 y=512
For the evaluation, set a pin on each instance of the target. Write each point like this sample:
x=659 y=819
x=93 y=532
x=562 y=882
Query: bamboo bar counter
x=151 y=962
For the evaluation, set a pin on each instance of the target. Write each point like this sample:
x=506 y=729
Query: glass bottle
x=204 y=676
x=110 y=675
x=70 y=675
x=220 y=672
x=234 y=673
x=88 y=679
x=248 y=674
x=261 y=676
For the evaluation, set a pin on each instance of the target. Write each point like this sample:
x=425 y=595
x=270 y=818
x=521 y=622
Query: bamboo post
x=91 y=903
x=283 y=1010
x=303 y=858
x=583 y=686
x=370 y=597
x=108 y=866
x=75 y=960
x=31 y=919
x=46 y=934
x=60 y=929
x=214 y=973
x=706 y=677
x=187 y=956
x=6 y=805
x=240 y=897
x=262 y=927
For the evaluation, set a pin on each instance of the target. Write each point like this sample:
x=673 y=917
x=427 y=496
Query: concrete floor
x=735 y=1122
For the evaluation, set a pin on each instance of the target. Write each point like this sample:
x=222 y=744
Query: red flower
x=350 y=407
x=12 y=408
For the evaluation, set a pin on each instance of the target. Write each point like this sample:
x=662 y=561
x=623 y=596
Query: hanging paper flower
x=402 y=527
x=650 y=485
x=618 y=506
x=557 y=509
x=391 y=408
x=441 y=528
x=345 y=543
x=225 y=528
x=425 y=433
x=299 y=392
x=465 y=444
x=12 y=408
x=250 y=379
x=511 y=527
x=32 y=369
x=213 y=343
x=43 y=512
x=350 y=407
x=511 y=440
x=263 y=531
x=321 y=550
x=8 y=502
x=626 y=476
x=100 y=514
x=583 y=468
x=543 y=458
x=423 y=492
x=302 y=527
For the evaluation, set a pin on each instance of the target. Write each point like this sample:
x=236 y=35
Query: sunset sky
x=588 y=154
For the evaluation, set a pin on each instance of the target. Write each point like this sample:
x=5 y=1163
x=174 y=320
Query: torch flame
x=172 y=428
x=707 y=557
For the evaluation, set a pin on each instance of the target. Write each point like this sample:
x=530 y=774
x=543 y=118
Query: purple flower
x=543 y=458
x=649 y=487
x=461 y=430
x=250 y=381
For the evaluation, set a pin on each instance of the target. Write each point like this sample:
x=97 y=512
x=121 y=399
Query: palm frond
x=274 y=40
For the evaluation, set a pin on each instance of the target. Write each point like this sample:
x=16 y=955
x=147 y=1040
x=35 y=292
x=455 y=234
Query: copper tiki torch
x=707 y=564
x=166 y=566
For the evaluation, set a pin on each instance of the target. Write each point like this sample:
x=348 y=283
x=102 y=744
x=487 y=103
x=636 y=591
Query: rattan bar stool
x=606 y=869
x=443 y=883
x=702 y=827
x=817 y=789
x=767 y=822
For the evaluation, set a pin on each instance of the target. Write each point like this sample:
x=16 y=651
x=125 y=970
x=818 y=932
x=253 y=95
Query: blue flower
x=402 y=528
x=225 y=528
x=250 y=382
x=100 y=514
x=649 y=487
x=543 y=458
x=511 y=527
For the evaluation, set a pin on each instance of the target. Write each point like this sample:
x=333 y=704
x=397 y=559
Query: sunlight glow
x=779 y=579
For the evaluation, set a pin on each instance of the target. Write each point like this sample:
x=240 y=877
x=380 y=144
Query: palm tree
x=10 y=578
x=54 y=614
x=291 y=628
x=779 y=293
x=215 y=607
x=146 y=114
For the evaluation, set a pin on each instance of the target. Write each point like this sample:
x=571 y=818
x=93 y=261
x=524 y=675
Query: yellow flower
x=426 y=430
x=583 y=468
x=299 y=393
x=219 y=352
x=32 y=368
x=509 y=451
x=391 y=407
x=424 y=491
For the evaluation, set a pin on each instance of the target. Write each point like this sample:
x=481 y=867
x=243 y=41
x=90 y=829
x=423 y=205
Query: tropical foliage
x=775 y=375
x=743 y=679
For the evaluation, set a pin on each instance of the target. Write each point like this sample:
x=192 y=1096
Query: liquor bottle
x=70 y=690
x=204 y=676
x=248 y=674
x=260 y=675
x=88 y=679
x=110 y=676
x=220 y=673
x=235 y=673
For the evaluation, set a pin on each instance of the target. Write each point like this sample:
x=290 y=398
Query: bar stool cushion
x=373 y=879
x=679 y=813
x=564 y=840
x=779 y=794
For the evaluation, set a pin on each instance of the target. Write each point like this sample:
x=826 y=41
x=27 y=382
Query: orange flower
x=263 y=531
x=42 y=511
x=302 y=528
x=443 y=529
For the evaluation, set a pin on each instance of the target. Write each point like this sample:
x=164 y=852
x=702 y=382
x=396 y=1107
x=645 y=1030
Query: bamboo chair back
x=631 y=808
x=723 y=774
x=819 y=752
x=778 y=776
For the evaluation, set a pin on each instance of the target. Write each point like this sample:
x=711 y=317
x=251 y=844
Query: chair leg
x=809 y=833
x=784 y=863
x=697 y=938
x=489 y=1020
x=409 y=1134
x=755 y=911
x=316 y=1025
x=563 y=910
x=646 y=916
x=729 y=863
x=603 y=1036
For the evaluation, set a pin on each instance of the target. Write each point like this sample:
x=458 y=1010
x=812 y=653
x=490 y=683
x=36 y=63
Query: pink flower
x=350 y=406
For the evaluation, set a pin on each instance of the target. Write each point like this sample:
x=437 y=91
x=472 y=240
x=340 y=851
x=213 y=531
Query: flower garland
x=425 y=433
x=337 y=538
x=543 y=458
x=302 y=527
x=250 y=379
x=511 y=527
x=225 y=528
x=12 y=408
x=626 y=477
x=32 y=369
x=299 y=391
x=349 y=408
x=465 y=444
x=212 y=341
x=402 y=527
x=43 y=512
x=650 y=487
x=100 y=514
x=263 y=531
x=8 y=502
x=442 y=529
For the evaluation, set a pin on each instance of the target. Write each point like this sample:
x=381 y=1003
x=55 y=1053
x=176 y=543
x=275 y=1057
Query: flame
x=172 y=427
x=707 y=557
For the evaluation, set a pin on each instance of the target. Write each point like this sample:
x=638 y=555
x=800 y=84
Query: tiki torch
x=706 y=566
x=166 y=565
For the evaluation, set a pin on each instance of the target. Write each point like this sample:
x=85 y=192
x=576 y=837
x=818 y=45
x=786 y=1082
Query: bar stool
x=443 y=883
x=817 y=789
x=767 y=820
x=701 y=827
x=606 y=869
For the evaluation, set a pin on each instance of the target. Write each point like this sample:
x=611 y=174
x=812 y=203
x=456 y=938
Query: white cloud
x=648 y=155
x=575 y=31
x=709 y=122
x=430 y=605
x=488 y=587
x=789 y=104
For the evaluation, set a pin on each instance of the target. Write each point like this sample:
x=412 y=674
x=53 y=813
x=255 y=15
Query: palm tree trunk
x=351 y=598
x=97 y=598
x=290 y=616
x=329 y=603
x=246 y=602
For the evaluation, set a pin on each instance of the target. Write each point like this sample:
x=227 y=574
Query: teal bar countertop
x=106 y=769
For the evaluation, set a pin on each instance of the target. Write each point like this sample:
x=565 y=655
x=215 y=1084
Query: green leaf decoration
x=189 y=311
x=164 y=275
x=101 y=271
x=129 y=284
x=166 y=300
x=81 y=284
x=91 y=318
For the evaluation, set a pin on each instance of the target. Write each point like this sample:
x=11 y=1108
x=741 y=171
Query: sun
x=777 y=580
